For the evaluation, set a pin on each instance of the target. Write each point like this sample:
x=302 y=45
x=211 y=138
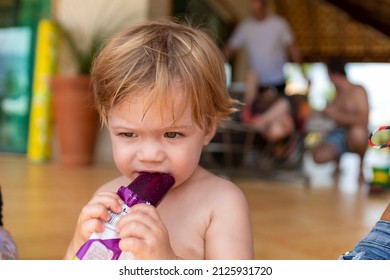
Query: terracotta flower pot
x=76 y=120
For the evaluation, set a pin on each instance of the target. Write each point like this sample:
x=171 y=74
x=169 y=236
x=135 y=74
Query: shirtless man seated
x=350 y=111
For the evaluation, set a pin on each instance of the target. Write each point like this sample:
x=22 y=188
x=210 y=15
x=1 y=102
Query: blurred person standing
x=269 y=43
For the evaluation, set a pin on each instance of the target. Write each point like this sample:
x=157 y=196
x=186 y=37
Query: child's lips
x=153 y=172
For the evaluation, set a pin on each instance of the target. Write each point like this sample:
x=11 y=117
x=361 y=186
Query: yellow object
x=40 y=127
x=381 y=176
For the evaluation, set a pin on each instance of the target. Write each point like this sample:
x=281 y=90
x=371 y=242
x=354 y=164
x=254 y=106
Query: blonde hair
x=153 y=57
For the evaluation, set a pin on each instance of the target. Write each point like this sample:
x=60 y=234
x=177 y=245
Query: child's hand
x=95 y=213
x=91 y=219
x=144 y=235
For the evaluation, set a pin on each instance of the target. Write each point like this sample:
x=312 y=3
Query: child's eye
x=172 y=134
x=127 y=134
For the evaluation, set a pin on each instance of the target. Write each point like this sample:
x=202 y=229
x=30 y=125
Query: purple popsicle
x=146 y=188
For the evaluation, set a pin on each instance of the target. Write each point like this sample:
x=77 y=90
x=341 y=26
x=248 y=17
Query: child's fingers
x=140 y=213
x=90 y=226
x=142 y=238
x=142 y=230
x=135 y=245
x=137 y=234
x=137 y=226
x=143 y=233
x=94 y=211
x=110 y=201
x=145 y=209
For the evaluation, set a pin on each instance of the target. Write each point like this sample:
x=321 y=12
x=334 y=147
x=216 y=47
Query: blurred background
x=42 y=40
x=357 y=32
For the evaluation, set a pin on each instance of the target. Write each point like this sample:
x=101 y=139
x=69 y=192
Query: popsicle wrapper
x=146 y=188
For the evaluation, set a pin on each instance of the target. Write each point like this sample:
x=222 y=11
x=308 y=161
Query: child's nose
x=150 y=150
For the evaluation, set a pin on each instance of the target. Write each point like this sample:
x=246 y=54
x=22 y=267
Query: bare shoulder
x=360 y=90
x=114 y=184
x=228 y=229
x=221 y=190
x=360 y=97
x=227 y=187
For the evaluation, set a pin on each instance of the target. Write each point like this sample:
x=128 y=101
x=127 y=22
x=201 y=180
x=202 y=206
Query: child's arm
x=91 y=219
x=249 y=97
x=229 y=235
x=251 y=88
x=386 y=214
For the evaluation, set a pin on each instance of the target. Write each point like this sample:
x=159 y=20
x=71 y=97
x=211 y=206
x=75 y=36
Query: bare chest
x=187 y=228
x=344 y=102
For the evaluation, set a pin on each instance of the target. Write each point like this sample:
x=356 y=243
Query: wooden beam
x=361 y=15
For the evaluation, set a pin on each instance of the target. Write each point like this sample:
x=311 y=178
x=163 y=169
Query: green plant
x=84 y=27
x=83 y=57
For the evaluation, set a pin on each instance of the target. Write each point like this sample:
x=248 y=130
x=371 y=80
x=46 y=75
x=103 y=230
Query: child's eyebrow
x=163 y=128
x=173 y=126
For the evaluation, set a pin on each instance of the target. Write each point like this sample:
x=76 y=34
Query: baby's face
x=155 y=139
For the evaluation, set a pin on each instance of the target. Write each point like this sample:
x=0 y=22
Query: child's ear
x=212 y=130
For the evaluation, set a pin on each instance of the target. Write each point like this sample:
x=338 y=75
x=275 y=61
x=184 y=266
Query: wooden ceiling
x=357 y=30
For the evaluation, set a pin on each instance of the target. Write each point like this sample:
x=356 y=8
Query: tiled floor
x=291 y=219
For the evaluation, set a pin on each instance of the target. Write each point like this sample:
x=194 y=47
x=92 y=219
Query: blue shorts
x=337 y=138
x=375 y=246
